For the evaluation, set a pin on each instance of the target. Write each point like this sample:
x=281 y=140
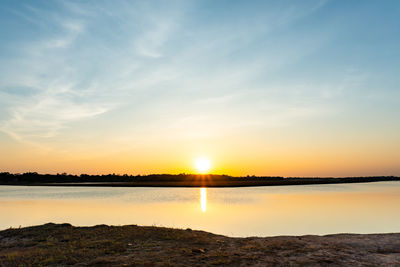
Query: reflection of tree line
x=33 y=177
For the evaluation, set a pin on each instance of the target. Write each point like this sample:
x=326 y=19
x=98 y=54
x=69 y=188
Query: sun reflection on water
x=203 y=199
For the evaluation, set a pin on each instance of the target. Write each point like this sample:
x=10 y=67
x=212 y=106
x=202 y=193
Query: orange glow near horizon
x=293 y=159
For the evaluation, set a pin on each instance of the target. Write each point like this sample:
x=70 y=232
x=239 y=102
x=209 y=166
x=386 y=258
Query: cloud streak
x=179 y=61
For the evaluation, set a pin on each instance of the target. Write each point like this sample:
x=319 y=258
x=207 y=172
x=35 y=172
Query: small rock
x=198 y=250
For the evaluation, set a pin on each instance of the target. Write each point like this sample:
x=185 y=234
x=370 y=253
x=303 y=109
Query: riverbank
x=180 y=180
x=63 y=244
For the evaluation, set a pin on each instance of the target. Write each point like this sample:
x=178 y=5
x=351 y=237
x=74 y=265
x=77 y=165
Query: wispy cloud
x=54 y=99
x=165 y=60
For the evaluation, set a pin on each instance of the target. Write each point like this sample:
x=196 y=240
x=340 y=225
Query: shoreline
x=208 y=183
x=131 y=245
x=175 y=180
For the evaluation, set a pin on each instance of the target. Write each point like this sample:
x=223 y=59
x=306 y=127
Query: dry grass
x=63 y=244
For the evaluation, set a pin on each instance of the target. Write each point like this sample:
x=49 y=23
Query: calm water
x=256 y=211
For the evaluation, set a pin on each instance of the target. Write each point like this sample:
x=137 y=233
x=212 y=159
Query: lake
x=246 y=211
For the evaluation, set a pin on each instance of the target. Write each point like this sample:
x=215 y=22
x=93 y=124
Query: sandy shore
x=63 y=244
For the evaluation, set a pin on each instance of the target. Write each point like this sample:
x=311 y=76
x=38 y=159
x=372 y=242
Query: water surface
x=251 y=211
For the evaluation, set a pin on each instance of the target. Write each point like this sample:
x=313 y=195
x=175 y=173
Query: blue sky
x=258 y=79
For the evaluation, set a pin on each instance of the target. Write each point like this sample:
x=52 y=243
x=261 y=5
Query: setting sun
x=202 y=165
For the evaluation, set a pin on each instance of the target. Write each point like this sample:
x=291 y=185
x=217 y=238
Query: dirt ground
x=65 y=245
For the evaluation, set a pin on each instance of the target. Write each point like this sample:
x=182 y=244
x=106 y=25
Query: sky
x=289 y=88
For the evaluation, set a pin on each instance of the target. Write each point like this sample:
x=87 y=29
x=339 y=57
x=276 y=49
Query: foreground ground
x=63 y=244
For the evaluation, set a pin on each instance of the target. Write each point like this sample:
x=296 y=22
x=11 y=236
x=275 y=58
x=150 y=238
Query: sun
x=202 y=165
